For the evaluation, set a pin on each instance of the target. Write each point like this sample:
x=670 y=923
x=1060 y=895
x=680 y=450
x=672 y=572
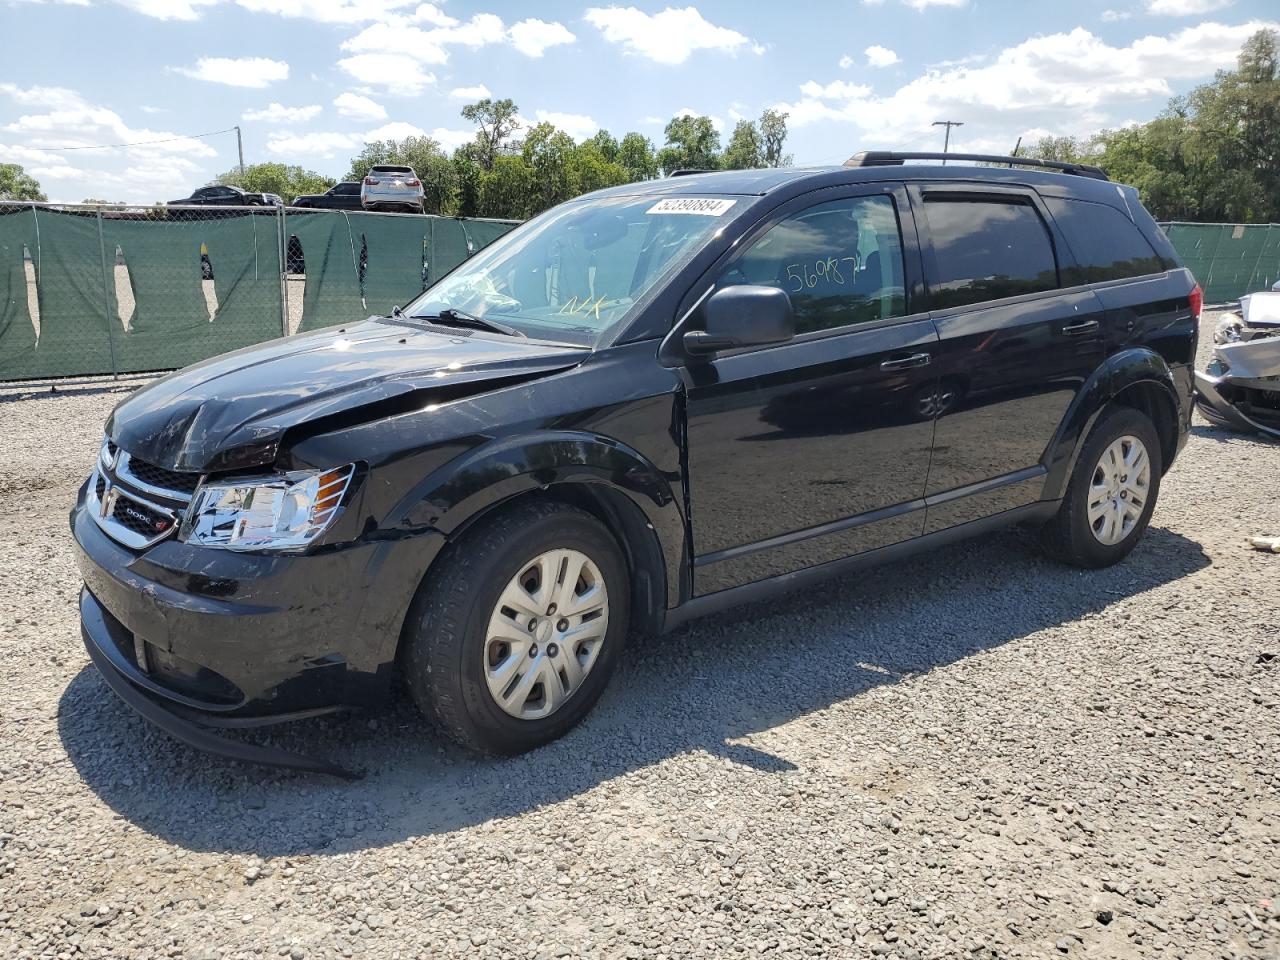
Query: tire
x=1071 y=536
x=452 y=660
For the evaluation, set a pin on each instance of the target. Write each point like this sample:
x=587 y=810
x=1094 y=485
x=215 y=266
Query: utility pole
x=946 y=143
x=240 y=148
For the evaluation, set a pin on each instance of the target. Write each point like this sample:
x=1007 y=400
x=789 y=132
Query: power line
x=141 y=143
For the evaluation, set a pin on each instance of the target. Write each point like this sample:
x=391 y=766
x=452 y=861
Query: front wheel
x=1111 y=495
x=515 y=632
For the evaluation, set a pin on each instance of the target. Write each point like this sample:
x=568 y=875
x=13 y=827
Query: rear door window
x=840 y=262
x=1107 y=245
x=987 y=249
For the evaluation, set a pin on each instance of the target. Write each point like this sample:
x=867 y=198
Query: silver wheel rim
x=1119 y=490
x=545 y=633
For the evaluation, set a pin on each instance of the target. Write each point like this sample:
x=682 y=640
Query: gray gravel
x=975 y=753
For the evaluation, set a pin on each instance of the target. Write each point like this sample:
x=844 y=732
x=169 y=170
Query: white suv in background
x=389 y=187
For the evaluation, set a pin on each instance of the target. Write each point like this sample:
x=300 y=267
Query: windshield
x=576 y=270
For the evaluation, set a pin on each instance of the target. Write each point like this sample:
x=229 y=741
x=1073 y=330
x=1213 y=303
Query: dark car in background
x=224 y=195
x=645 y=405
x=341 y=196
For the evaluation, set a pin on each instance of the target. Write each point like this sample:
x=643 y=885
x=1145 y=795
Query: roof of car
x=802 y=179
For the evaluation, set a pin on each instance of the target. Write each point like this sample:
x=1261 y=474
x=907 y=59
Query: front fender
x=1118 y=372
x=459 y=491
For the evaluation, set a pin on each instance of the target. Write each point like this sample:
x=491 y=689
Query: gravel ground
x=974 y=753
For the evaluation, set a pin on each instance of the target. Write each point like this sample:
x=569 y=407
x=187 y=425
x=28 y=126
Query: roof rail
x=687 y=172
x=886 y=158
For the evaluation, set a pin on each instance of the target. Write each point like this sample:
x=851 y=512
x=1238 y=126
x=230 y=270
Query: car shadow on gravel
x=700 y=688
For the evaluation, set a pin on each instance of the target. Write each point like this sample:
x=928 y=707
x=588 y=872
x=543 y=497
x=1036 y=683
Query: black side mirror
x=742 y=316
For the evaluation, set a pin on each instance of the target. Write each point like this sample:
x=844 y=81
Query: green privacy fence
x=119 y=290
x=1228 y=259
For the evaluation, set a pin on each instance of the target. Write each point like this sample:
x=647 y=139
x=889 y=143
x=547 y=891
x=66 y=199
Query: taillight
x=370 y=181
x=411 y=183
x=1197 y=301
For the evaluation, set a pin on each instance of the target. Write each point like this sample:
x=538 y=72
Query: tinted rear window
x=1107 y=244
x=392 y=170
x=987 y=250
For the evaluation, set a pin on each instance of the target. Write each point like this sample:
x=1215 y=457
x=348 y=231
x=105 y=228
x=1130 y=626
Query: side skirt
x=773 y=586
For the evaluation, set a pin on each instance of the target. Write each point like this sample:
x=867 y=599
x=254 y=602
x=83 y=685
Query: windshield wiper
x=457 y=318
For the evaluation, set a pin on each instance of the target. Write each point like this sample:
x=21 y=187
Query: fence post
x=106 y=298
x=282 y=240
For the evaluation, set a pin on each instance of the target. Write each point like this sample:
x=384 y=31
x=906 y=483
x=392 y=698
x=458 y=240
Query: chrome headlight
x=273 y=513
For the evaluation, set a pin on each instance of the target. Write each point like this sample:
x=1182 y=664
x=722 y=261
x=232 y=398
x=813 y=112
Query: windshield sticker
x=702 y=206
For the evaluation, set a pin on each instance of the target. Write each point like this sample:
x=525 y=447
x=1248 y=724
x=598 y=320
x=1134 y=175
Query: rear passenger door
x=1015 y=346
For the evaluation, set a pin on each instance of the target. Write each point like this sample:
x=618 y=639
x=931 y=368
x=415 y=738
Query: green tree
x=504 y=190
x=773 y=131
x=746 y=148
x=546 y=151
x=606 y=144
x=692 y=144
x=637 y=158
x=439 y=176
x=17 y=184
x=467 y=175
x=590 y=170
x=288 y=181
x=497 y=122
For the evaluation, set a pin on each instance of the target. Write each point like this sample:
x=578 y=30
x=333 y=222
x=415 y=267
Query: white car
x=388 y=187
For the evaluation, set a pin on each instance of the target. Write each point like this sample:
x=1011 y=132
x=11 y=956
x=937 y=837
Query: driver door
x=818 y=448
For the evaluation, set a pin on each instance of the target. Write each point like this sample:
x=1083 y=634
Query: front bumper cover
x=1212 y=403
x=98 y=631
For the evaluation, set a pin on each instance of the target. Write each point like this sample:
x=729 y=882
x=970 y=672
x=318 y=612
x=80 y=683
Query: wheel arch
x=1138 y=378
x=606 y=478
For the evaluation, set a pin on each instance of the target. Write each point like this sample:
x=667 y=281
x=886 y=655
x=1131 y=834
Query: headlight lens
x=274 y=513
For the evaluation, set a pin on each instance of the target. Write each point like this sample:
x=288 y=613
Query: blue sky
x=310 y=80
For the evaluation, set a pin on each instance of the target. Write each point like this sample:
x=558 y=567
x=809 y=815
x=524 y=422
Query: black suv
x=642 y=406
x=341 y=196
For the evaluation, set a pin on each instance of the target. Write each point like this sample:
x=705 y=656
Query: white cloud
x=237 y=71
x=397 y=130
x=1185 y=8
x=878 y=56
x=1115 y=16
x=716 y=122
x=478 y=92
x=324 y=11
x=576 y=125
x=59 y=117
x=322 y=146
x=846 y=62
x=1061 y=83
x=397 y=72
x=925 y=4
x=452 y=139
x=534 y=37
x=430 y=13
x=357 y=107
x=531 y=37
x=279 y=113
x=670 y=36
x=167 y=9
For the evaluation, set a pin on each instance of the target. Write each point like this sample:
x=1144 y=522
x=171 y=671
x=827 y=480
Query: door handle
x=1076 y=329
x=906 y=363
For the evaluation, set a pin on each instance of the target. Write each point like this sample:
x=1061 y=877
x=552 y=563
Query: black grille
x=139 y=518
x=165 y=479
x=101 y=487
x=111 y=449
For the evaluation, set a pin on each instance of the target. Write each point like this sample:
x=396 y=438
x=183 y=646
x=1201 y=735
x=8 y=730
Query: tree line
x=513 y=173
x=1212 y=156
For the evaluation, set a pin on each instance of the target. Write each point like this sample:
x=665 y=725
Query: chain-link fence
x=110 y=290
x=1228 y=260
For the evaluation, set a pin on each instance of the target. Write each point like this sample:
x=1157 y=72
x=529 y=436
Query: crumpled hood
x=231 y=412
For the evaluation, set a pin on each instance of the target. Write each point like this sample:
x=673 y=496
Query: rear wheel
x=514 y=634
x=1112 y=492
